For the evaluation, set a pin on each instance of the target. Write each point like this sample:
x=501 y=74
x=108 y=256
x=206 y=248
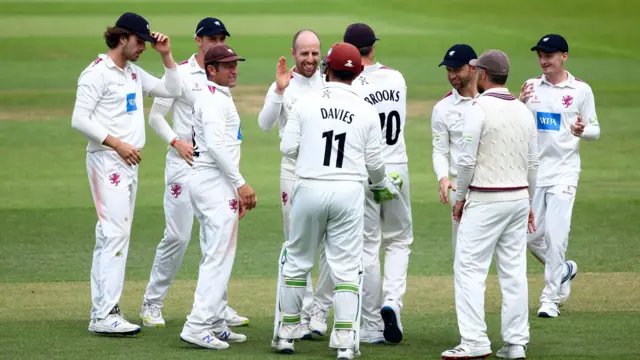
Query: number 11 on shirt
x=340 y=138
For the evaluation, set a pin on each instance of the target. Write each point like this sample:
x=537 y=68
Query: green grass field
x=47 y=216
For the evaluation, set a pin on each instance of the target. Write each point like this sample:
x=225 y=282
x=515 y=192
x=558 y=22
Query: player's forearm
x=270 y=111
x=222 y=158
x=289 y=147
x=465 y=174
x=440 y=164
x=533 y=160
x=81 y=121
x=169 y=85
x=159 y=124
x=591 y=132
x=377 y=174
x=168 y=61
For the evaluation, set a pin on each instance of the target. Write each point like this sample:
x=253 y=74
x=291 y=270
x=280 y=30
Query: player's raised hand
x=185 y=150
x=283 y=76
x=247 y=197
x=532 y=222
x=526 y=92
x=162 y=43
x=578 y=128
x=128 y=153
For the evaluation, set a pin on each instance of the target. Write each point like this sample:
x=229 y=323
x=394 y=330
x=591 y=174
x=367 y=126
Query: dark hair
x=215 y=64
x=295 y=37
x=343 y=75
x=497 y=79
x=113 y=34
x=365 y=51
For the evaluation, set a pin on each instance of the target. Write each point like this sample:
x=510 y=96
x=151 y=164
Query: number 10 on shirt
x=340 y=138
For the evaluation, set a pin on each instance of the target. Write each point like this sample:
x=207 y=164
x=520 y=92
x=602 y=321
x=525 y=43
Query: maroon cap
x=221 y=53
x=344 y=57
x=494 y=62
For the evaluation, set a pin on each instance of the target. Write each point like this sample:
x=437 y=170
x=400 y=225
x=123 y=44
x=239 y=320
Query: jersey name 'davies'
x=338 y=114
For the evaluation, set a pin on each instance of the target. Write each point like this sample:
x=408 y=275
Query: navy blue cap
x=458 y=56
x=360 y=35
x=552 y=43
x=136 y=24
x=211 y=27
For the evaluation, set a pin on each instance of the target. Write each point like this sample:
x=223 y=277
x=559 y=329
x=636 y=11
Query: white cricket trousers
x=454 y=223
x=389 y=223
x=552 y=207
x=114 y=185
x=322 y=298
x=178 y=214
x=333 y=210
x=487 y=228
x=216 y=206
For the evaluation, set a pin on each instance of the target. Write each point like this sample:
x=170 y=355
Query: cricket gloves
x=388 y=189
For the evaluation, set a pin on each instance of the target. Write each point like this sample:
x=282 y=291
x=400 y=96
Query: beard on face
x=307 y=70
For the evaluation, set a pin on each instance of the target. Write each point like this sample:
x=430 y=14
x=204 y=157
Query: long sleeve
x=533 y=164
x=213 y=118
x=467 y=161
x=440 y=154
x=589 y=118
x=157 y=120
x=373 y=152
x=291 y=138
x=271 y=110
x=88 y=94
x=169 y=86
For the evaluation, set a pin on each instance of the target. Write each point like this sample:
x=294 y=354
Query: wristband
x=173 y=141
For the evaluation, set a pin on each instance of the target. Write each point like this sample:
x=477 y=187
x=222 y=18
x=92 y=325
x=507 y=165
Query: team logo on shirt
x=285 y=198
x=131 y=102
x=114 y=179
x=363 y=80
x=548 y=121
x=134 y=76
x=326 y=92
x=176 y=190
x=233 y=205
x=567 y=100
x=196 y=87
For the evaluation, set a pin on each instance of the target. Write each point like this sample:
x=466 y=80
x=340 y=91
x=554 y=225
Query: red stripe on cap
x=212 y=89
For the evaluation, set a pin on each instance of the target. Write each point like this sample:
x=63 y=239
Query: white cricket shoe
x=565 y=286
x=318 y=321
x=392 y=324
x=548 y=310
x=346 y=354
x=233 y=319
x=371 y=336
x=307 y=334
x=206 y=339
x=284 y=346
x=151 y=315
x=231 y=337
x=464 y=351
x=113 y=324
x=511 y=351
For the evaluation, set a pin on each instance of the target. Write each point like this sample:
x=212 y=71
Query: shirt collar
x=224 y=89
x=501 y=90
x=194 y=67
x=338 y=85
x=372 y=68
x=317 y=76
x=570 y=82
x=110 y=64
x=457 y=98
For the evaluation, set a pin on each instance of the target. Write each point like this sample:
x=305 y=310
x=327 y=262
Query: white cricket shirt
x=447 y=123
x=217 y=135
x=335 y=135
x=109 y=101
x=386 y=89
x=556 y=108
x=194 y=81
x=277 y=107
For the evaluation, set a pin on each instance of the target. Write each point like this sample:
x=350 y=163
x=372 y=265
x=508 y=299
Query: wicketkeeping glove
x=388 y=189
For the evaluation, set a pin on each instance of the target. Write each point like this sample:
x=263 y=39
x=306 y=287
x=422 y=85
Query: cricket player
x=177 y=203
x=109 y=112
x=565 y=113
x=335 y=137
x=389 y=222
x=447 y=122
x=221 y=198
x=496 y=180
x=290 y=86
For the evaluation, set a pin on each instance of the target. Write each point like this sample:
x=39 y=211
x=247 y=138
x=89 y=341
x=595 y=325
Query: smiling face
x=225 y=75
x=551 y=62
x=306 y=53
x=460 y=77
